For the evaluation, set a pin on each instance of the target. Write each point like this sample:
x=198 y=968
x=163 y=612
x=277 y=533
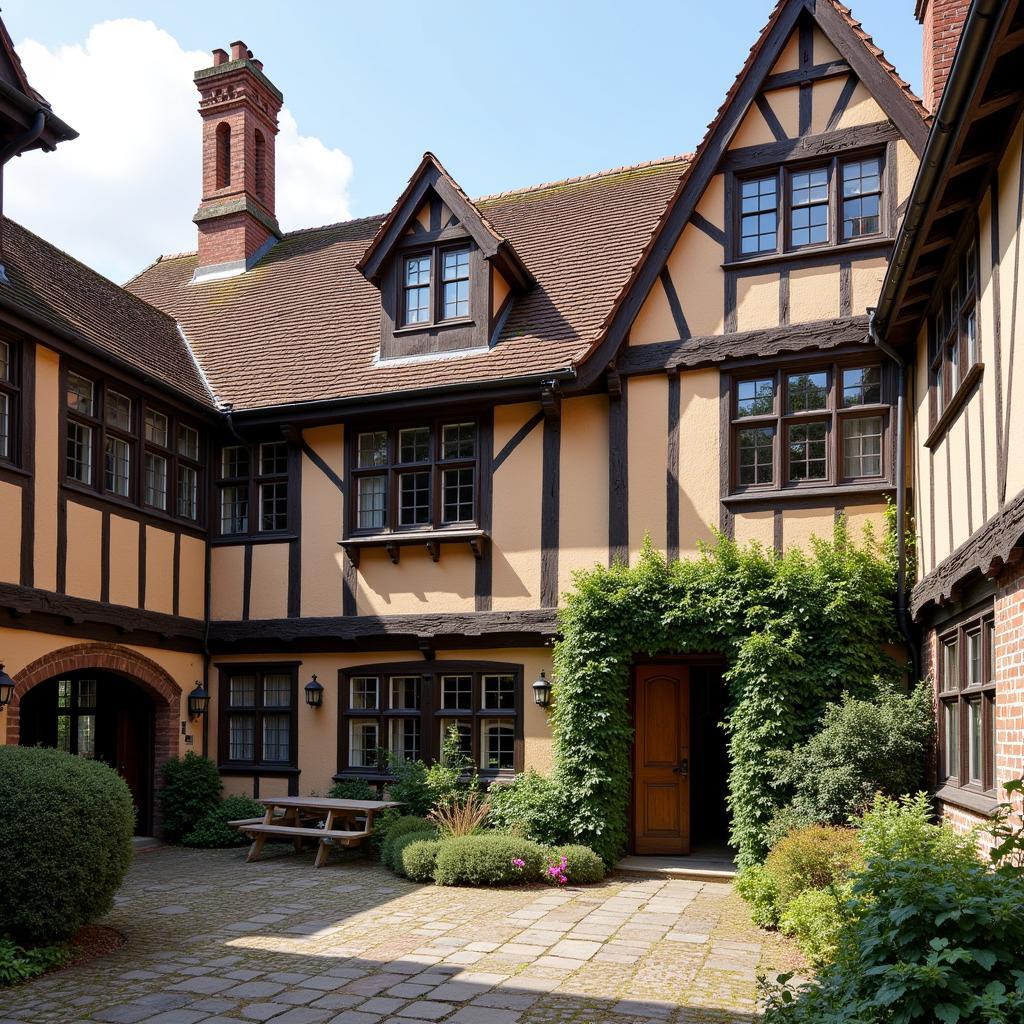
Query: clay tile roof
x=67 y=297
x=304 y=325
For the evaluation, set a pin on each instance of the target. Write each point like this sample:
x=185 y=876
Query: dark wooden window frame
x=252 y=481
x=834 y=415
x=436 y=252
x=135 y=437
x=12 y=387
x=960 y=693
x=784 y=173
x=224 y=711
x=430 y=713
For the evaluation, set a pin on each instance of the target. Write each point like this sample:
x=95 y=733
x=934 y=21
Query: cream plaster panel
x=583 y=487
x=906 y=170
x=823 y=51
x=695 y=267
x=648 y=460
x=322 y=512
x=192 y=578
x=753 y=130
x=755 y=528
x=920 y=467
x=757 y=302
x=940 y=483
x=813 y=294
x=417 y=583
x=978 y=465
x=515 y=517
x=866 y=278
x=1010 y=230
x=861 y=517
x=824 y=95
x=159 y=570
x=863 y=108
x=47 y=468
x=799 y=525
x=786 y=105
x=268 y=590
x=499 y=290
x=789 y=59
x=423 y=216
x=124 y=561
x=10 y=532
x=712 y=203
x=654 y=322
x=986 y=340
x=84 y=551
x=271 y=786
x=699 y=459
x=956 y=440
x=227 y=572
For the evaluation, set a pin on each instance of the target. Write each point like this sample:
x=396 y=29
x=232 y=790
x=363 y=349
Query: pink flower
x=518 y=862
x=558 y=872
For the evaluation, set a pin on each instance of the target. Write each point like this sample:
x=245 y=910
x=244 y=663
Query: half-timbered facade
x=374 y=452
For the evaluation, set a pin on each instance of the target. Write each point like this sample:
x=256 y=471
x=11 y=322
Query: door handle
x=683 y=768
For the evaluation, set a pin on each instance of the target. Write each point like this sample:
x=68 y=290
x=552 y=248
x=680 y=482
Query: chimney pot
x=220 y=57
x=258 y=63
x=239 y=51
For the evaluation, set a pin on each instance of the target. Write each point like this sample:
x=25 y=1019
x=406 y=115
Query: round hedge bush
x=813 y=858
x=419 y=858
x=582 y=865
x=487 y=859
x=396 y=828
x=401 y=843
x=191 y=790
x=66 y=828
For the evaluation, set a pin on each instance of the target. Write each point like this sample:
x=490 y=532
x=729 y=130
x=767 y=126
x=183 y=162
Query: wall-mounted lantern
x=6 y=687
x=314 y=693
x=542 y=691
x=198 y=701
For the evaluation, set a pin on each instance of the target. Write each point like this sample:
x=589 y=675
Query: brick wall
x=943 y=21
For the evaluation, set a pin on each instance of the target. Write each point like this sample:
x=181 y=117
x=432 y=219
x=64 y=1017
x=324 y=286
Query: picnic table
x=330 y=821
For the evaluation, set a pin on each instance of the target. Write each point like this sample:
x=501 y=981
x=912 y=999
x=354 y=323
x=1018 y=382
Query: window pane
x=971 y=337
x=405 y=738
x=363 y=743
x=465 y=730
x=807 y=459
x=156 y=480
x=276 y=739
x=498 y=747
x=455 y=278
x=755 y=455
x=951 y=664
x=87 y=693
x=5 y=425
x=417 y=270
x=951 y=738
x=274 y=506
x=417 y=290
x=234 y=508
x=242 y=691
x=188 y=492
x=458 y=495
x=953 y=358
x=64 y=693
x=862 y=385
x=414 y=499
x=157 y=429
x=277 y=690
x=807 y=391
x=809 y=200
x=989 y=630
x=755 y=397
x=862 y=447
x=64 y=733
x=759 y=222
x=117 y=459
x=458 y=441
x=499 y=692
x=455 y=265
x=242 y=737
x=974 y=758
x=974 y=663
x=373 y=449
x=81 y=396
x=405 y=693
x=365 y=692
x=234 y=462
x=79 y=452
x=86 y=736
x=371 y=502
x=119 y=410
x=862 y=186
x=414 y=444
x=6 y=369
x=188 y=443
x=457 y=692
x=273 y=458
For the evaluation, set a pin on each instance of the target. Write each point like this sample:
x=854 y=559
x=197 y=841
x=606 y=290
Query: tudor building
x=373 y=453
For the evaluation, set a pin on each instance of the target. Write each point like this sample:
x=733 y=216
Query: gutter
x=902 y=613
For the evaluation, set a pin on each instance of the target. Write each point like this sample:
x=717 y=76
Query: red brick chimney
x=236 y=219
x=943 y=21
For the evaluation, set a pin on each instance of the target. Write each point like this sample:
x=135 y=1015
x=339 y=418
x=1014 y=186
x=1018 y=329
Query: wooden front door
x=661 y=770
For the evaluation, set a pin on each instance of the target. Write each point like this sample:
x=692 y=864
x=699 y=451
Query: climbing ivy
x=795 y=630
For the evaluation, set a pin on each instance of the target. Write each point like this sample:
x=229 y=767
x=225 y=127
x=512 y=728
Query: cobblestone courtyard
x=212 y=939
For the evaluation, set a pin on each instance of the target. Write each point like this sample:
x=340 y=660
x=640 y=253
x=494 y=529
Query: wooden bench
x=325 y=838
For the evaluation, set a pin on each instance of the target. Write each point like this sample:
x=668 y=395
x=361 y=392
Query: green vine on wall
x=795 y=630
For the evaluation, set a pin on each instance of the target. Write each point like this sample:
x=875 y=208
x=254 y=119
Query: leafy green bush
x=212 y=831
x=419 y=858
x=903 y=829
x=812 y=858
x=864 y=746
x=530 y=805
x=815 y=920
x=401 y=825
x=759 y=888
x=352 y=789
x=582 y=865
x=399 y=845
x=488 y=859
x=191 y=789
x=410 y=787
x=18 y=964
x=66 y=828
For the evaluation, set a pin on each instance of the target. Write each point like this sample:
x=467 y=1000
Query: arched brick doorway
x=133 y=724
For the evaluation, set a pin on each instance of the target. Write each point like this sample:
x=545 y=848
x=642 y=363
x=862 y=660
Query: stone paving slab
x=213 y=940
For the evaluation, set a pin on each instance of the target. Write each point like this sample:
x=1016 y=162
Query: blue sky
x=506 y=95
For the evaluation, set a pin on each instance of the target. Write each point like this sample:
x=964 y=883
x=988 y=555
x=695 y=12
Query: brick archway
x=144 y=672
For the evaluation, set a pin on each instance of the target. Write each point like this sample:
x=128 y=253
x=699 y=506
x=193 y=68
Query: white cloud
x=125 y=191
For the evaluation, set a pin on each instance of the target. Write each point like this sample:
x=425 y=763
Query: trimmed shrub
x=419 y=858
x=212 y=830
x=191 y=789
x=812 y=858
x=402 y=825
x=759 y=888
x=18 y=964
x=66 y=828
x=582 y=865
x=489 y=859
x=352 y=789
x=410 y=786
x=529 y=806
x=400 y=844
x=904 y=829
x=815 y=920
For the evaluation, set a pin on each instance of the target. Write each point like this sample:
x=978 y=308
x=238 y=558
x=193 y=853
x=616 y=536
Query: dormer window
x=418 y=286
x=455 y=281
x=417 y=289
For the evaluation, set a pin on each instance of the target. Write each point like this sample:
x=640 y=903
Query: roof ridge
x=657 y=162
